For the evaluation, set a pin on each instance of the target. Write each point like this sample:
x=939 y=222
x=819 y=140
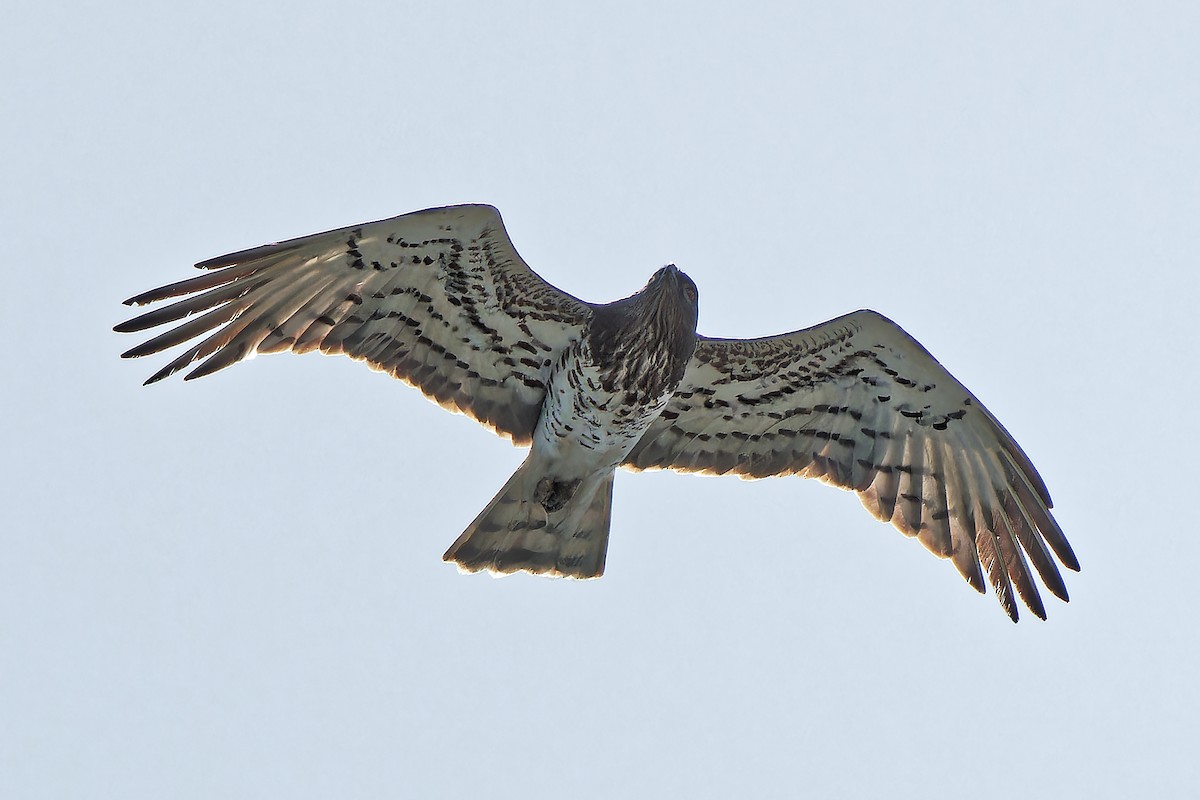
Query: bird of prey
x=441 y=300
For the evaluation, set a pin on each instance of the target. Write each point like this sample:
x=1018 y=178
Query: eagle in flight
x=441 y=300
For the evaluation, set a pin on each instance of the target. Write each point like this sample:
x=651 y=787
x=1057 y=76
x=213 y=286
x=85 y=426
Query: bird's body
x=441 y=300
x=602 y=395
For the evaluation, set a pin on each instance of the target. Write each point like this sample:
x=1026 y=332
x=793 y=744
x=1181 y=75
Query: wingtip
x=165 y=372
x=145 y=298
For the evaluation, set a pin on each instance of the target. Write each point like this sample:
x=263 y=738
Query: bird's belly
x=586 y=429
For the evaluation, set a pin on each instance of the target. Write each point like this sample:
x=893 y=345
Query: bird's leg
x=553 y=495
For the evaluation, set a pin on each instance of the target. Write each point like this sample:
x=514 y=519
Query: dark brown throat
x=643 y=343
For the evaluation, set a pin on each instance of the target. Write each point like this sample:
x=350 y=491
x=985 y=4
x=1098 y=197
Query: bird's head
x=668 y=309
x=653 y=330
x=671 y=291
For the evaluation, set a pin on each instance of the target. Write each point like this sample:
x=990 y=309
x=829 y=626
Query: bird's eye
x=690 y=293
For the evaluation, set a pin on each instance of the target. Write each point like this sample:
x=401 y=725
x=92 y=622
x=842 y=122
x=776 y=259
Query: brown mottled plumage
x=441 y=299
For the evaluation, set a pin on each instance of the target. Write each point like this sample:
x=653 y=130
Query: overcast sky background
x=233 y=587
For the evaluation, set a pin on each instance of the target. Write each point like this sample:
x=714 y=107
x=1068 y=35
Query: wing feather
x=438 y=298
x=860 y=404
x=935 y=526
x=963 y=532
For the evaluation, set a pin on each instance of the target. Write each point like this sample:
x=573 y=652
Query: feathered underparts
x=441 y=300
x=552 y=517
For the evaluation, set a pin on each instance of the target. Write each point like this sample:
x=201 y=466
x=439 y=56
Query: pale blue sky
x=233 y=588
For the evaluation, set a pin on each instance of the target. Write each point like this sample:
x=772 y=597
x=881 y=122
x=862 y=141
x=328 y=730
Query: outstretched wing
x=438 y=298
x=858 y=403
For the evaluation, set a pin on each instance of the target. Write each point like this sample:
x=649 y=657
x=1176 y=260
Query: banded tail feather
x=535 y=524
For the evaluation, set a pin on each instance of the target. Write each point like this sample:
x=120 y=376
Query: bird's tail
x=536 y=524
